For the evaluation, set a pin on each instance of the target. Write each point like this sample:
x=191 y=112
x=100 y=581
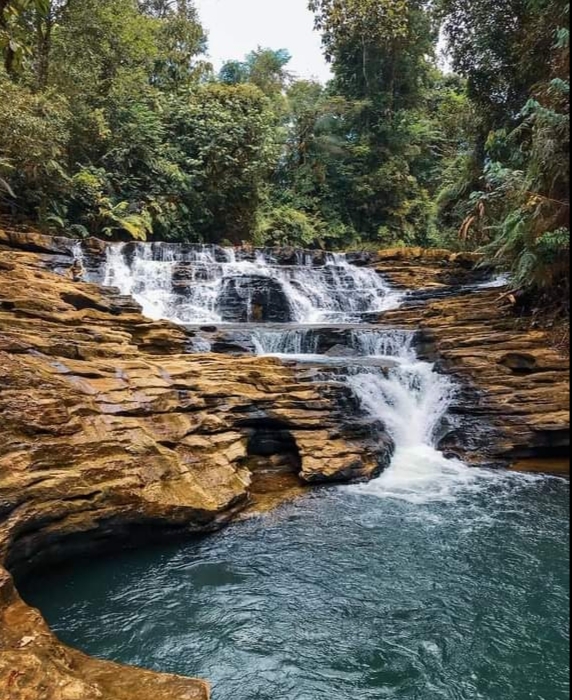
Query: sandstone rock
x=112 y=434
x=513 y=402
x=430 y=273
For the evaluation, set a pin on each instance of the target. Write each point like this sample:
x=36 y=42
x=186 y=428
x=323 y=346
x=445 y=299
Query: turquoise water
x=347 y=594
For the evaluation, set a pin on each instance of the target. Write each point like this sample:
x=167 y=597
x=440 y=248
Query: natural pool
x=348 y=594
x=434 y=582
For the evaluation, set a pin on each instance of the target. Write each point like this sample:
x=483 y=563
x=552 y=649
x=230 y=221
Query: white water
x=407 y=395
x=337 y=291
x=297 y=342
x=411 y=400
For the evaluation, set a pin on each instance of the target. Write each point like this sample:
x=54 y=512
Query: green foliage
x=514 y=187
x=381 y=54
x=368 y=21
x=14 y=29
x=264 y=68
x=112 y=123
x=34 y=131
x=222 y=138
x=285 y=226
x=99 y=213
x=109 y=129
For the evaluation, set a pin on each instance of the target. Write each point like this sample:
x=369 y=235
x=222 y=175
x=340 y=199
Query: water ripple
x=345 y=596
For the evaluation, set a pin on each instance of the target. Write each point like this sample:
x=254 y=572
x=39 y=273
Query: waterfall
x=296 y=342
x=407 y=395
x=411 y=399
x=386 y=343
x=77 y=254
x=309 y=309
x=199 y=285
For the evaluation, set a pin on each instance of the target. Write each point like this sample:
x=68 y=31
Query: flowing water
x=434 y=581
x=334 y=291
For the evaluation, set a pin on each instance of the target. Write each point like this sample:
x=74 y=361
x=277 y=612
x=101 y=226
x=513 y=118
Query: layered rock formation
x=112 y=433
x=513 y=407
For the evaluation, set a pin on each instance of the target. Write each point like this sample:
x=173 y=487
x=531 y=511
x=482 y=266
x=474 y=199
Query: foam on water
x=336 y=291
x=407 y=395
x=412 y=399
x=393 y=343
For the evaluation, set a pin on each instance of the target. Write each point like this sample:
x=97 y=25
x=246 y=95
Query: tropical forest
x=284 y=350
x=113 y=123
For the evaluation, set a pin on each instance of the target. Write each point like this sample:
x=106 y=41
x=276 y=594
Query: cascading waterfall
x=297 y=342
x=406 y=394
x=434 y=581
x=411 y=399
x=386 y=343
x=77 y=253
x=191 y=285
x=147 y=275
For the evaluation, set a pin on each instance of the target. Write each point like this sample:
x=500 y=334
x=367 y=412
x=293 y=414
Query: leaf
x=6 y=187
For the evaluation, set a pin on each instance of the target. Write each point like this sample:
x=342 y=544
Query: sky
x=236 y=27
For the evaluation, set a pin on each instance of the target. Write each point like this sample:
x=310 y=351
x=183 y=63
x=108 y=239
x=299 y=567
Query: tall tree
x=381 y=54
x=265 y=68
x=519 y=80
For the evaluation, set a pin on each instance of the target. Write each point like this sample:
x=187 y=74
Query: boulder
x=254 y=298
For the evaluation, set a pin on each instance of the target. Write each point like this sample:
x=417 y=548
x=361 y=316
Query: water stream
x=435 y=581
x=192 y=285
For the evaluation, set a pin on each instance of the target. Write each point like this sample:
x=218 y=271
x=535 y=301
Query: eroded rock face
x=111 y=433
x=512 y=408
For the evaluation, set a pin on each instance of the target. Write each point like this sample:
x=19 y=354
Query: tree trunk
x=44 y=27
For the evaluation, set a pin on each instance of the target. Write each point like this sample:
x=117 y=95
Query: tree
x=181 y=40
x=34 y=133
x=265 y=68
x=381 y=54
x=314 y=150
x=224 y=141
x=521 y=200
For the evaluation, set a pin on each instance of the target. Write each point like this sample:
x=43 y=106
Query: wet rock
x=254 y=298
x=113 y=435
x=341 y=351
x=513 y=390
x=428 y=274
x=361 y=258
x=35 y=242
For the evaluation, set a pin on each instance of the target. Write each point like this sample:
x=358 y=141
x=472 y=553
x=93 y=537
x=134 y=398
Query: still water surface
x=347 y=594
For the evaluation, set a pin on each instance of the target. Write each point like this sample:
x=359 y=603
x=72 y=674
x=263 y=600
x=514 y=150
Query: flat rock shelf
x=176 y=388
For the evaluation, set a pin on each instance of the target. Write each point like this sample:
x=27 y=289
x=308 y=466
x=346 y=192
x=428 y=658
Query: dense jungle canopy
x=113 y=123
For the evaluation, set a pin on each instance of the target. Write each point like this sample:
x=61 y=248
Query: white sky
x=236 y=27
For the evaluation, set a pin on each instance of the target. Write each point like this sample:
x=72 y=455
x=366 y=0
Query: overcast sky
x=236 y=27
